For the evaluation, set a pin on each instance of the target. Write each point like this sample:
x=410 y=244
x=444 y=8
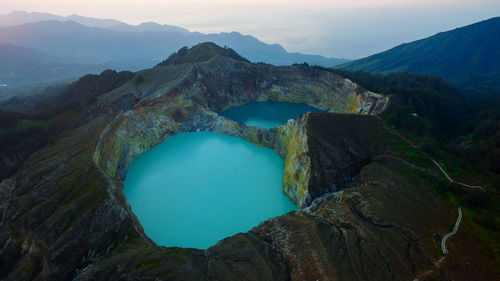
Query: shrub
x=476 y=199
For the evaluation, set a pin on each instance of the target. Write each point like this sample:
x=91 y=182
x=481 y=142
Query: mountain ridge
x=28 y=66
x=23 y=17
x=10 y=52
x=250 y=47
x=467 y=56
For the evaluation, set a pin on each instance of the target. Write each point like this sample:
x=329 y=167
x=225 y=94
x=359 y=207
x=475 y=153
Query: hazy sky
x=335 y=28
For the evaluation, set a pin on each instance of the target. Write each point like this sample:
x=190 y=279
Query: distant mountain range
x=105 y=43
x=468 y=56
x=60 y=47
x=75 y=42
x=21 y=65
x=21 y=17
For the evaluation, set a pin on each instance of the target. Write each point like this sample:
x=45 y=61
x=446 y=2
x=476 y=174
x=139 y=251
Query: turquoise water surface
x=267 y=114
x=195 y=189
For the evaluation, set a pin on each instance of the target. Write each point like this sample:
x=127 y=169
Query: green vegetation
x=21 y=133
x=440 y=119
x=25 y=98
x=16 y=134
x=415 y=155
x=86 y=89
x=481 y=209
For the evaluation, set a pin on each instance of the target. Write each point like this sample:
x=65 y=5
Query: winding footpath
x=443 y=248
x=459 y=218
x=411 y=144
x=457 y=224
x=448 y=177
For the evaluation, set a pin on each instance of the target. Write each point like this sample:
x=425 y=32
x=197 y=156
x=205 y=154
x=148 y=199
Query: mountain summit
x=200 y=53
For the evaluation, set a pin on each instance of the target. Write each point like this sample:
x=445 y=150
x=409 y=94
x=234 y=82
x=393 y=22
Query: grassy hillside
x=462 y=132
x=440 y=116
x=468 y=57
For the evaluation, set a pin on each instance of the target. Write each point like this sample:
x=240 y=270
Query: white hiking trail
x=457 y=224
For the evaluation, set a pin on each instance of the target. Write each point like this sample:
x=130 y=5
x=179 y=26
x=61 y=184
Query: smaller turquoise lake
x=267 y=114
x=195 y=189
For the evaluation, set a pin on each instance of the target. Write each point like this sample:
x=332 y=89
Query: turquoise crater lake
x=267 y=114
x=195 y=189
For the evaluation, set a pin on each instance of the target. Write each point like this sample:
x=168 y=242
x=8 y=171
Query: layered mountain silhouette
x=22 y=17
x=96 y=41
x=468 y=57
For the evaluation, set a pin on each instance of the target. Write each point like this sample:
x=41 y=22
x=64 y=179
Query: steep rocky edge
x=64 y=217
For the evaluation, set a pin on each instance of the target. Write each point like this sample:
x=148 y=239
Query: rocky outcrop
x=222 y=82
x=319 y=159
x=292 y=146
x=340 y=150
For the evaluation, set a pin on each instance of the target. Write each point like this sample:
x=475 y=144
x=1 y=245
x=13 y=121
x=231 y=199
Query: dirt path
x=448 y=177
x=411 y=144
x=437 y=264
x=457 y=224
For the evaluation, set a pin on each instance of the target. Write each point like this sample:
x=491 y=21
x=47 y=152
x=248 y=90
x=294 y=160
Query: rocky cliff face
x=64 y=217
x=292 y=147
